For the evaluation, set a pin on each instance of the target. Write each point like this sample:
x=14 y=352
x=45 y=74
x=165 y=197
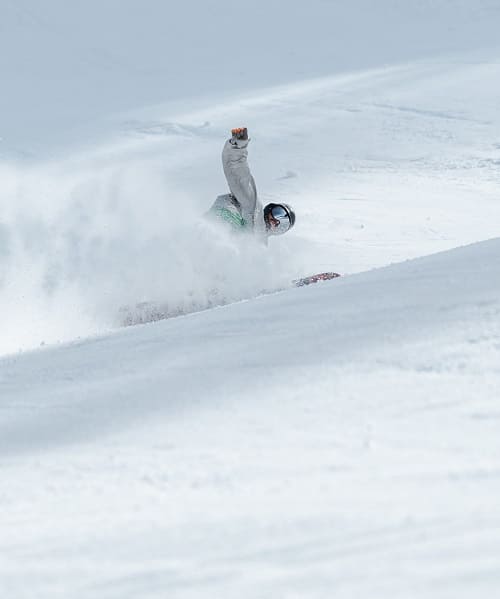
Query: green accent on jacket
x=231 y=217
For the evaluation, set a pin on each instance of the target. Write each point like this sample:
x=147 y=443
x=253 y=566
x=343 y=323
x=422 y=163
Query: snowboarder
x=241 y=209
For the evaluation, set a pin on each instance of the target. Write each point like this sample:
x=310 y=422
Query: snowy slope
x=381 y=166
x=64 y=64
x=338 y=439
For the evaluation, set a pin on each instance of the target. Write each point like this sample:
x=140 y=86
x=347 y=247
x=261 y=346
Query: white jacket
x=242 y=200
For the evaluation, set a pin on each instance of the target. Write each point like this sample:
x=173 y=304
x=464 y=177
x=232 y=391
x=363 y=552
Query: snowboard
x=321 y=276
x=144 y=312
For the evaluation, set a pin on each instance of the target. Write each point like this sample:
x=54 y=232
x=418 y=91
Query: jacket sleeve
x=239 y=178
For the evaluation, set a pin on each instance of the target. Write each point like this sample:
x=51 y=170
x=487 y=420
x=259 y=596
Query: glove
x=240 y=133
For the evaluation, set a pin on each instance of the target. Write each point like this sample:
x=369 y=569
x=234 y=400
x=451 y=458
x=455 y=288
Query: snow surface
x=339 y=440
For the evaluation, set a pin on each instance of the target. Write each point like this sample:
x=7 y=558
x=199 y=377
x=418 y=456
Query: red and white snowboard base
x=322 y=276
x=144 y=312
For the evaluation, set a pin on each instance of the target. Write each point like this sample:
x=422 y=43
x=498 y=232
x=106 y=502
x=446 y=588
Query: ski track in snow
x=335 y=440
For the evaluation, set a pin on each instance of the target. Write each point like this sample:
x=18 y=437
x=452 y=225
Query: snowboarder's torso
x=227 y=209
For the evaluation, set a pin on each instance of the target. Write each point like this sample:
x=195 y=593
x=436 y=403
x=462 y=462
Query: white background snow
x=340 y=440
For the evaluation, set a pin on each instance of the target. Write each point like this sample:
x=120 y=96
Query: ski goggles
x=279 y=220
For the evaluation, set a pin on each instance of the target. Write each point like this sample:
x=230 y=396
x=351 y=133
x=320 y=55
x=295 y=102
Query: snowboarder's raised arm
x=239 y=178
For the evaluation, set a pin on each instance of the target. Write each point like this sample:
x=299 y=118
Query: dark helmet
x=279 y=218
